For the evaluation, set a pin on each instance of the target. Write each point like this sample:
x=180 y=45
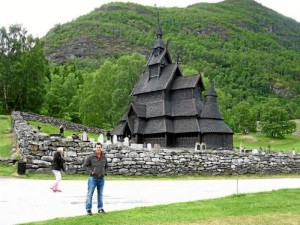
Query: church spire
x=210 y=107
x=159 y=42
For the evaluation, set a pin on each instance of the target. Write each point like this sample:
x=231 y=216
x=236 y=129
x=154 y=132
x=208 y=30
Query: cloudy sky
x=39 y=16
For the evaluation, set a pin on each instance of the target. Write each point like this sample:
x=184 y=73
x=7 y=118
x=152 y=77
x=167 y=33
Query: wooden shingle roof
x=211 y=108
x=186 y=125
x=139 y=125
x=211 y=111
x=155 y=109
x=155 y=59
x=183 y=82
x=119 y=130
x=157 y=125
x=187 y=107
x=161 y=82
x=140 y=109
x=214 y=126
x=124 y=117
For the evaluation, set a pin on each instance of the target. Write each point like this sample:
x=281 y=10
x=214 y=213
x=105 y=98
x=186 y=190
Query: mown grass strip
x=259 y=208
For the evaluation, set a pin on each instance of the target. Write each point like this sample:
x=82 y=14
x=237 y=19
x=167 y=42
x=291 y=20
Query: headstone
x=197 y=146
x=254 y=151
x=156 y=146
x=126 y=141
x=115 y=139
x=242 y=149
x=293 y=152
x=149 y=146
x=84 y=136
x=101 y=138
x=203 y=146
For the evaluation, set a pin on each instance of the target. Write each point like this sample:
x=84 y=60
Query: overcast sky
x=39 y=16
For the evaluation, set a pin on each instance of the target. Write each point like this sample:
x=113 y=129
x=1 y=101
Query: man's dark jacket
x=95 y=167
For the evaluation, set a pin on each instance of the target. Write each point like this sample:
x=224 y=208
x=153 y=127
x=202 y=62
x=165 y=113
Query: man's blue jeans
x=92 y=184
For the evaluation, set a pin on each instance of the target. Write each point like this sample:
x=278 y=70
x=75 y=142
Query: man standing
x=96 y=165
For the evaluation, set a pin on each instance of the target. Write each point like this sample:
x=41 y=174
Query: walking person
x=96 y=165
x=58 y=166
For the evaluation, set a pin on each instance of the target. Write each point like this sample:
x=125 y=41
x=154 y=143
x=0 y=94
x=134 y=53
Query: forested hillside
x=251 y=52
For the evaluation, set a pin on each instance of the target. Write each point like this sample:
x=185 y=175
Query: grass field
x=51 y=129
x=6 y=136
x=277 y=208
x=254 y=141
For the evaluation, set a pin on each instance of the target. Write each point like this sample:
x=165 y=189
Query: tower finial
x=158 y=31
x=157 y=17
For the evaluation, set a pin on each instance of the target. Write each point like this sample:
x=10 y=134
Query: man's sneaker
x=101 y=211
x=89 y=212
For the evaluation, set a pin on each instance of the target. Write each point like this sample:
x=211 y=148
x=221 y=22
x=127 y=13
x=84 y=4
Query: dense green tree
x=245 y=120
x=62 y=97
x=129 y=71
x=275 y=121
x=105 y=94
x=23 y=70
x=95 y=97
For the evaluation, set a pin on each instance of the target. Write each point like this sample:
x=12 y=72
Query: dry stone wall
x=38 y=149
x=57 y=122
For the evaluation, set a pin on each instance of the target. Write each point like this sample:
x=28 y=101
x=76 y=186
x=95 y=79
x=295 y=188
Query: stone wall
x=57 y=122
x=38 y=149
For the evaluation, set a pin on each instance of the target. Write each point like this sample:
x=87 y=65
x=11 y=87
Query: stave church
x=168 y=108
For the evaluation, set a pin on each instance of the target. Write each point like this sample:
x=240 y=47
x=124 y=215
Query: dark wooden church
x=168 y=109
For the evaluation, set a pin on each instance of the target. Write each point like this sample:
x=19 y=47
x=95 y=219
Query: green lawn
x=51 y=129
x=276 y=208
x=254 y=141
x=6 y=137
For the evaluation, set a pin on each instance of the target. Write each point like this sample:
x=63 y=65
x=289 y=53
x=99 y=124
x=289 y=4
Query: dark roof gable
x=161 y=82
x=187 y=82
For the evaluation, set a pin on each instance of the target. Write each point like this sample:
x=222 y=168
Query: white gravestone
x=84 y=136
x=115 y=139
x=101 y=138
x=203 y=146
x=126 y=141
